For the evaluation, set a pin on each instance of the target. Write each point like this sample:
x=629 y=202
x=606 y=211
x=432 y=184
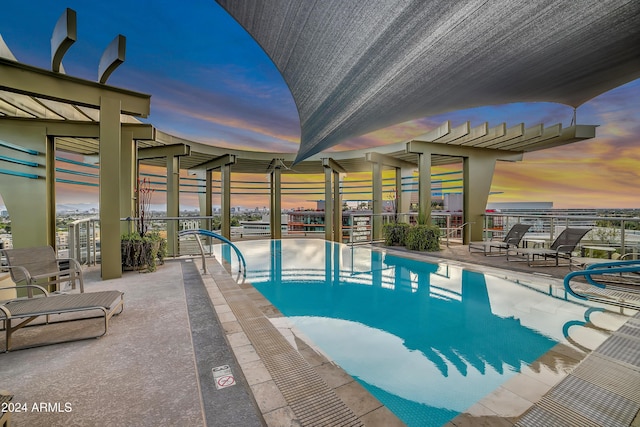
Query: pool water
x=427 y=340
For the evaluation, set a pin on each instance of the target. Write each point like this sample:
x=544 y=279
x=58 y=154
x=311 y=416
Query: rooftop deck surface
x=155 y=366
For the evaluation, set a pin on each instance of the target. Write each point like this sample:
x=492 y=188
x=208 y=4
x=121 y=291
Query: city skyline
x=211 y=83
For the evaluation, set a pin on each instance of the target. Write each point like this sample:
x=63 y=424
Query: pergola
x=44 y=110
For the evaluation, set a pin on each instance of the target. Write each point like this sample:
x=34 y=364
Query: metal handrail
x=451 y=231
x=241 y=260
x=604 y=269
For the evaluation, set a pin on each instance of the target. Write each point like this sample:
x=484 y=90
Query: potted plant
x=423 y=236
x=394 y=232
x=142 y=249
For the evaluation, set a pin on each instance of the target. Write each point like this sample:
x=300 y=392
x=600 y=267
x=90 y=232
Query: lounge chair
x=40 y=266
x=562 y=247
x=5 y=416
x=40 y=303
x=511 y=239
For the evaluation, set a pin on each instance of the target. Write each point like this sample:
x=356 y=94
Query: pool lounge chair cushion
x=25 y=310
x=512 y=238
x=562 y=247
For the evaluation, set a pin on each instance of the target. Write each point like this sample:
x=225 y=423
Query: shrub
x=395 y=233
x=139 y=252
x=423 y=238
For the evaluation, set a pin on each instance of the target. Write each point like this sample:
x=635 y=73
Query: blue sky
x=211 y=83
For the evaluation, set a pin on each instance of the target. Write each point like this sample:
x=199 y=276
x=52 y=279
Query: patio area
x=156 y=364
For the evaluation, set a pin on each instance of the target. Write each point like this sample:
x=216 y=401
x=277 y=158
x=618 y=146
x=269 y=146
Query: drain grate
x=610 y=376
x=593 y=402
x=552 y=416
x=313 y=402
x=621 y=348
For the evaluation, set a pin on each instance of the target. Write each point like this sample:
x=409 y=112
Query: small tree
x=144 y=193
x=143 y=248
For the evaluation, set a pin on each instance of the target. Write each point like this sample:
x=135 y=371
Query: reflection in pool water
x=428 y=340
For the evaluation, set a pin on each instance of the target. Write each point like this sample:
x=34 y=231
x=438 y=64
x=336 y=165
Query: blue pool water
x=427 y=340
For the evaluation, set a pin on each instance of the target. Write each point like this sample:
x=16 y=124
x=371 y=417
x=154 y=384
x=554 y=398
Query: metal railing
x=361 y=230
x=606 y=231
x=82 y=241
x=84 y=235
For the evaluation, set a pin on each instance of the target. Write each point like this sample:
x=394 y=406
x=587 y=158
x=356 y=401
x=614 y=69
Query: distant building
x=260 y=228
x=520 y=206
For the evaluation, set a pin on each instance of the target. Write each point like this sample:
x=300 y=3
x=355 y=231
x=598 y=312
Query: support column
x=424 y=183
x=224 y=164
x=337 y=209
x=111 y=263
x=376 y=194
x=398 y=193
x=332 y=201
x=173 y=203
x=404 y=201
x=378 y=162
x=128 y=181
x=204 y=196
x=27 y=194
x=225 y=201
x=208 y=200
x=328 y=205
x=275 y=214
x=51 y=191
x=477 y=176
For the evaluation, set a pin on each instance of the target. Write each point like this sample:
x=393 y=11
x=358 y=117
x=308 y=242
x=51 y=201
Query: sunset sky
x=211 y=83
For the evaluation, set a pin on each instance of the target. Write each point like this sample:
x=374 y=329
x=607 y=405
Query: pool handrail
x=604 y=268
x=208 y=233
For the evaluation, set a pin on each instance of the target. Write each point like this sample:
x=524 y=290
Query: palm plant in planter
x=423 y=236
x=143 y=249
x=394 y=233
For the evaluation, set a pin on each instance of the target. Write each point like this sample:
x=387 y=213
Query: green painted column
x=276 y=204
x=173 y=203
x=111 y=264
x=225 y=201
x=30 y=215
x=424 y=182
x=398 y=196
x=404 y=201
x=328 y=204
x=50 y=216
x=477 y=176
x=337 y=209
x=376 y=179
x=208 y=199
x=128 y=181
x=205 y=203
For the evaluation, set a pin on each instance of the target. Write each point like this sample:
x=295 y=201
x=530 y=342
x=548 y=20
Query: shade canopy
x=361 y=65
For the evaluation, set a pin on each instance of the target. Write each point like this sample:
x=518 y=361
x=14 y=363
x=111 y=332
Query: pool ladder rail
x=622 y=293
x=201 y=232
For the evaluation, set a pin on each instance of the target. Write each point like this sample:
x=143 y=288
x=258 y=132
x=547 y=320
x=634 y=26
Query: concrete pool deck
x=154 y=367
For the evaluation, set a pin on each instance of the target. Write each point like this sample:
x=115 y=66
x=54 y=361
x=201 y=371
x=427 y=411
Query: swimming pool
x=427 y=340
